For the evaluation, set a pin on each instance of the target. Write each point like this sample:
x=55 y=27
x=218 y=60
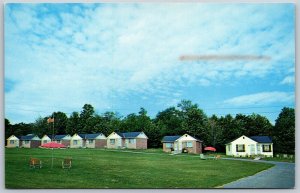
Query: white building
x=45 y=139
x=76 y=141
x=12 y=141
x=246 y=146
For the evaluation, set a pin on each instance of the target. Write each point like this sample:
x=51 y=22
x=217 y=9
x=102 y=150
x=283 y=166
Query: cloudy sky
x=120 y=57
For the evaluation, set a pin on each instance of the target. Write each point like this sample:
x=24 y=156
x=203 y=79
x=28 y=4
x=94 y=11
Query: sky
x=123 y=56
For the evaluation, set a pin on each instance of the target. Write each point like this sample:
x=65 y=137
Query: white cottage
x=76 y=141
x=184 y=143
x=248 y=146
x=131 y=140
x=45 y=139
x=12 y=141
x=95 y=140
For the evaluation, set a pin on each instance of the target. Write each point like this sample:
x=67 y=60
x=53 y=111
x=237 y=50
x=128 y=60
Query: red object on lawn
x=210 y=149
x=53 y=145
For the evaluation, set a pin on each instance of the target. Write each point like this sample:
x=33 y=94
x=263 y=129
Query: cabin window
x=169 y=145
x=91 y=141
x=26 y=142
x=58 y=141
x=189 y=144
x=266 y=148
x=45 y=141
x=12 y=142
x=75 y=142
x=228 y=147
x=240 y=148
x=112 y=141
x=131 y=140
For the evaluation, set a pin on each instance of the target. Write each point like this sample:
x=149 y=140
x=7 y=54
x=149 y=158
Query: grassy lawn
x=96 y=168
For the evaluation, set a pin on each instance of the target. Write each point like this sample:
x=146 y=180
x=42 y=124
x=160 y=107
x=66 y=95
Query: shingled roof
x=129 y=134
x=27 y=137
x=90 y=136
x=261 y=139
x=59 y=137
x=170 y=138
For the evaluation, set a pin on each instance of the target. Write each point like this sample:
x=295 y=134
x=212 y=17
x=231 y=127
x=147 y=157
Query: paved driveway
x=282 y=175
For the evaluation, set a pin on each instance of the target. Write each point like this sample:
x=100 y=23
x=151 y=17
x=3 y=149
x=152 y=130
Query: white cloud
x=288 y=80
x=88 y=54
x=262 y=98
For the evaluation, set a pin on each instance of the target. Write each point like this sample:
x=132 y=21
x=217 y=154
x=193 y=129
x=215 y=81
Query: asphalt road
x=282 y=175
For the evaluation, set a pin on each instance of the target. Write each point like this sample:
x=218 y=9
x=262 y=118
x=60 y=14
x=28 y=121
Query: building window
x=26 y=142
x=189 y=144
x=169 y=145
x=131 y=140
x=12 y=142
x=240 y=148
x=75 y=142
x=58 y=141
x=91 y=141
x=45 y=141
x=266 y=148
x=112 y=141
x=228 y=147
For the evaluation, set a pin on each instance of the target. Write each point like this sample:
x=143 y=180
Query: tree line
x=186 y=117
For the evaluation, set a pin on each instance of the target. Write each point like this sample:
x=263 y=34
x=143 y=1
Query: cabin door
x=258 y=149
x=180 y=146
x=252 y=149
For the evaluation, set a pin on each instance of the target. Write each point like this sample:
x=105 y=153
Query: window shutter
x=237 y=148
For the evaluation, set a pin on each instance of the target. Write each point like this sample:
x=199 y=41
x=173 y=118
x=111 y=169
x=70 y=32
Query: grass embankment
x=96 y=168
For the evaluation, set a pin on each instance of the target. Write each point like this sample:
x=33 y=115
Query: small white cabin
x=12 y=141
x=45 y=139
x=76 y=141
x=248 y=146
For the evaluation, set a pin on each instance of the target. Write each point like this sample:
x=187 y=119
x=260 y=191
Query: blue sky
x=120 y=57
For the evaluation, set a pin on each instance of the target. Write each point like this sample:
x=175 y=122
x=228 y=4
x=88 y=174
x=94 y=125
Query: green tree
x=60 y=122
x=130 y=123
x=41 y=127
x=20 y=129
x=8 y=129
x=86 y=117
x=169 y=122
x=73 y=124
x=229 y=127
x=214 y=132
x=284 y=131
x=194 y=119
x=111 y=122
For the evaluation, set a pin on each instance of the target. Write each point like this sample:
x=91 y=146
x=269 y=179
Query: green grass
x=95 y=168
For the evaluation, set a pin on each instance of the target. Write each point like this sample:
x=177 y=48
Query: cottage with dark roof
x=130 y=140
x=248 y=146
x=30 y=141
x=62 y=139
x=94 y=140
x=182 y=144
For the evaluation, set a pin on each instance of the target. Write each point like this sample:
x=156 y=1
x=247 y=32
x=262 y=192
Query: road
x=282 y=175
